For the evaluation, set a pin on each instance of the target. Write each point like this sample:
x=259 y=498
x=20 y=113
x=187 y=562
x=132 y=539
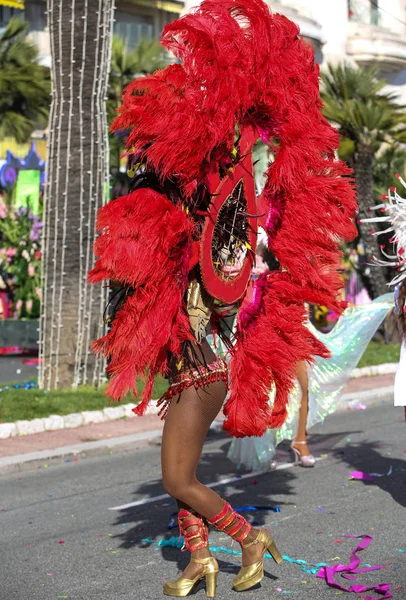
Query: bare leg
x=301 y=435
x=187 y=423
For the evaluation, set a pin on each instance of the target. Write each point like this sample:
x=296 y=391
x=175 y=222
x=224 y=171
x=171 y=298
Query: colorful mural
x=32 y=162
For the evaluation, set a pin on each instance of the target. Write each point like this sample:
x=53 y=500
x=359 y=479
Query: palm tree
x=126 y=64
x=367 y=118
x=390 y=160
x=77 y=185
x=24 y=84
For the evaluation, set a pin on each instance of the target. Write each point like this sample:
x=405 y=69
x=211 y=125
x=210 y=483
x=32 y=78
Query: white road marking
x=280 y=467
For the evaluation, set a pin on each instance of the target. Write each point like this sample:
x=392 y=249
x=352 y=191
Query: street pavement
x=61 y=540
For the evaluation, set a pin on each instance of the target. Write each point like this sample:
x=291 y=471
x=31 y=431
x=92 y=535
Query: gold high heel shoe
x=182 y=587
x=250 y=576
x=238 y=528
x=195 y=532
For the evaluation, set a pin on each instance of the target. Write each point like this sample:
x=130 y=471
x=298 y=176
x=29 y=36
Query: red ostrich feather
x=152 y=322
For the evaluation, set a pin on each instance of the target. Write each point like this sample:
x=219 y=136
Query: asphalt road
x=59 y=539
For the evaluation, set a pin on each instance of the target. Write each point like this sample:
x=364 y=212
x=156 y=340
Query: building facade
x=8 y=9
x=363 y=32
x=134 y=19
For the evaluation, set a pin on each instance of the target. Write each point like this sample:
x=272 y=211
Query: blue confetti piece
x=174 y=542
x=254 y=508
x=173 y=521
x=28 y=385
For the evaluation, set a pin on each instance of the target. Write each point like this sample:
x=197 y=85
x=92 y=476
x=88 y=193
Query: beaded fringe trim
x=199 y=378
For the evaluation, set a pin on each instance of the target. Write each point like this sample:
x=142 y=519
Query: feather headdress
x=395 y=218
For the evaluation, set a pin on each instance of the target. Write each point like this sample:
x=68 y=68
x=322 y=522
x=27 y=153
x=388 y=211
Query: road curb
x=367 y=397
x=71 y=421
x=31 y=459
x=375 y=371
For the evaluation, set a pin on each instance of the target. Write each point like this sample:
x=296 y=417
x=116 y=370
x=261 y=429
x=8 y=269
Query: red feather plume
x=269 y=347
x=146 y=243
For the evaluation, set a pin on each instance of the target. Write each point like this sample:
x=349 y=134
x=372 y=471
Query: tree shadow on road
x=319 y=443
x=365 y=457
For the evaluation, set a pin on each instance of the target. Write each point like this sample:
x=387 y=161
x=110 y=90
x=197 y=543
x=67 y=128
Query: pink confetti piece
x=361 y=476
x=61 y=542
x=351 y=570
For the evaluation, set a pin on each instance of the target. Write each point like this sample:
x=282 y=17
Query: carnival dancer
x=319 y=386
x=400 y=312
x=318 y=389
x=192 y=214
x=393 y=213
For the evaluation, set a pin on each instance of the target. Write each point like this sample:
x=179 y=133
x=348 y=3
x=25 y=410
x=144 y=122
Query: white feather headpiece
x=395 y=216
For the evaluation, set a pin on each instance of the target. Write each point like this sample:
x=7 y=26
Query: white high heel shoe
x=304 y=461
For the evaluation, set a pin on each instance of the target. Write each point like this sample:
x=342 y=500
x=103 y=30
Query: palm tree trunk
x=77 y=185
x=373 y=277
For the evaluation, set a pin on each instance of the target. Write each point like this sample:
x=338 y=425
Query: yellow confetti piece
x=248 y=246
x=335 y=558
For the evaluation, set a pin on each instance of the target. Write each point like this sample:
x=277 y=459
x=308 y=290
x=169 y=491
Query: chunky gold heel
x=250 y=576
x=274 y=552
x=183 y=587
x=211 y=584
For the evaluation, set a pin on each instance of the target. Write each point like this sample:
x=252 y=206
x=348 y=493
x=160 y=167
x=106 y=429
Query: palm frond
x=24 y=84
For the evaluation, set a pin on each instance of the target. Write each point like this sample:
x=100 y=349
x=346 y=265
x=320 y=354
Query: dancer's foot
x=194 y=569
x=202 y=564
x=253 y=544
x=302 y=454
x=302 y=447
x=253 y=553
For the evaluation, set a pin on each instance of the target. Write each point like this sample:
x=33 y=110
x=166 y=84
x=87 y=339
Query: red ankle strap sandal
x=186 y=520
x=227 y=517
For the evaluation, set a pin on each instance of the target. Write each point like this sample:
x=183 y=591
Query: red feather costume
x=242 y=69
